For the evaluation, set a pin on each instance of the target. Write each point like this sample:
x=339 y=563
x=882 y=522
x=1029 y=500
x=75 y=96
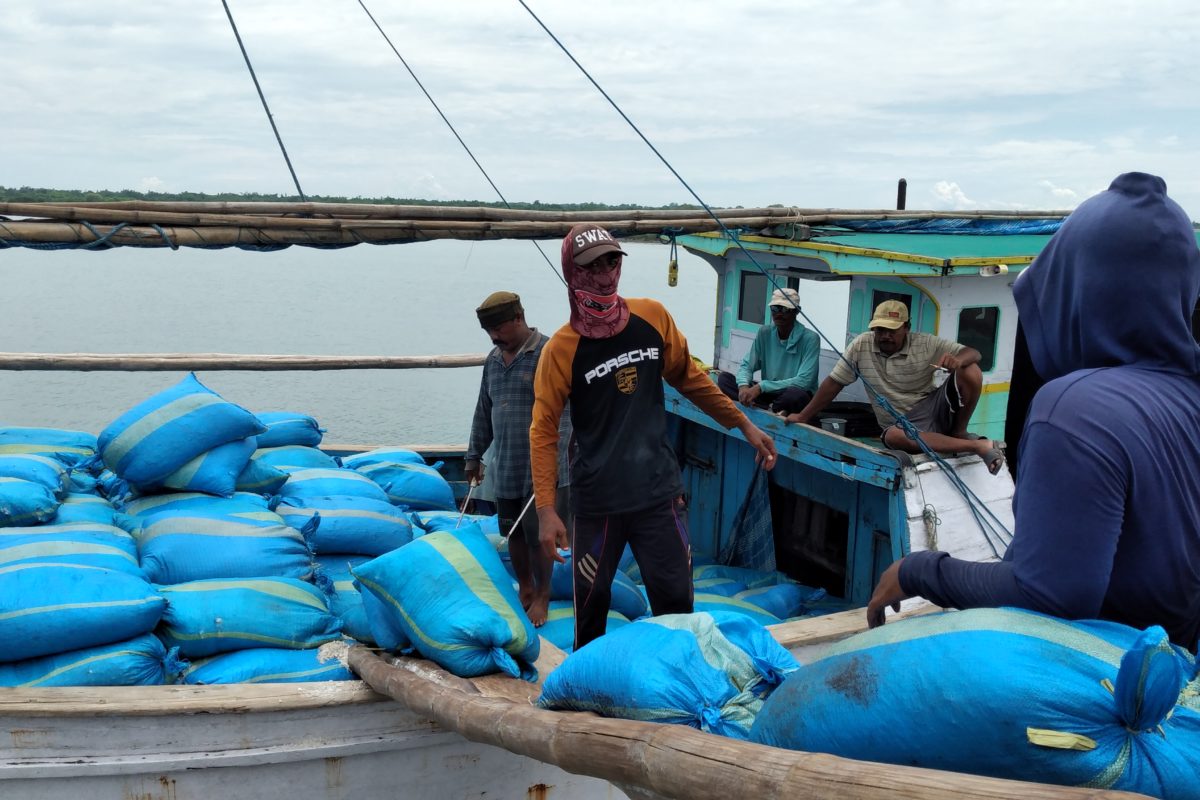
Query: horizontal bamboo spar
x=380 y=211
x=385 y=211
x=675 y=761
x=188 y=362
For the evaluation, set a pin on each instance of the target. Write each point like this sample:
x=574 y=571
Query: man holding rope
x=502 y=418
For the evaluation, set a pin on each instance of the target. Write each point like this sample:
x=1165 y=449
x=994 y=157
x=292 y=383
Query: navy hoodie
x=1107 y=501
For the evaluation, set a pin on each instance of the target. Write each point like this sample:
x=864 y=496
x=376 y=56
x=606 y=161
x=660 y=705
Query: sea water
x=413 y=299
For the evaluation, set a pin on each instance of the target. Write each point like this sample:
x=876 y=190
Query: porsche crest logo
x=627 y=380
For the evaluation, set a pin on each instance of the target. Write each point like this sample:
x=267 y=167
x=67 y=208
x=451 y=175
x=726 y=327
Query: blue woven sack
x=559 y=629
x=43 y=470
x=784 y=600
x=383 y=455
x=732 y=605
x=434 y=521
x=141 y=661
x=383 y=622
x=1001 y=692
x=345 y=601
x=261 y=478
x=207 y=617
x=268 y=665
x=453 y=600
x=286 y=428
x=726 y=587
x=215 y=472
x=48 y=608
x=627 y=599
x=69 y=447
x=309 y=483
x=88 y=543
x=348 y=524
x=707 y=671
x=90 y=508
x=292 y=457
x=25 y=502
x=178 y=548
x=752 y=578
x=242 y=504
x=415 y=486
x=161 y=434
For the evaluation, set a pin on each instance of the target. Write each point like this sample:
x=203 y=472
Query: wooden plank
x=835 y=627
x=152 y=701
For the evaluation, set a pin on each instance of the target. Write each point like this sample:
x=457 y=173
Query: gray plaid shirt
x=503 y=414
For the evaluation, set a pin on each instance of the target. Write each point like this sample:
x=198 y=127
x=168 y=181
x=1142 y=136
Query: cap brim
x=591 y=254
x=891 y=324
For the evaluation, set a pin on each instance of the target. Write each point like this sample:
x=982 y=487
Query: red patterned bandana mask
x=597 y=311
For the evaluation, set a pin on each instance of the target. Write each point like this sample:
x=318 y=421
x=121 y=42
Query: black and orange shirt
x=622 y=460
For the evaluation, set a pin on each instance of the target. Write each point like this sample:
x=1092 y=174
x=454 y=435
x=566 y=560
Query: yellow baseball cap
x=889 y=314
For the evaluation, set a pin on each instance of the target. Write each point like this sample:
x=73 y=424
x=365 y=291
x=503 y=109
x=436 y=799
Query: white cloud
x=754 y=102
x=948 y=194
x=150 y=185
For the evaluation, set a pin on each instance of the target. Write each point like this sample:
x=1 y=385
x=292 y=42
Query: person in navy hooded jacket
x=1107 y=499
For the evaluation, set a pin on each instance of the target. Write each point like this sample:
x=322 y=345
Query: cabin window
x=752 y=305
x=978 y=328
x=878 y=297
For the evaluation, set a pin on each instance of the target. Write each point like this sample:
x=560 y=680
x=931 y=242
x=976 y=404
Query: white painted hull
x=288 y=741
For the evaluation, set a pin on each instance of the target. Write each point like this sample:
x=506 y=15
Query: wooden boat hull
x=330 y=740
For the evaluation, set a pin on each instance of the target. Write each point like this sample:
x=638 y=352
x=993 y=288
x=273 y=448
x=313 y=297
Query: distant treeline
x=30 y=194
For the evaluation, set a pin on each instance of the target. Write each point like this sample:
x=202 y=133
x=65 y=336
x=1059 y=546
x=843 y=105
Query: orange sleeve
x=681 y=371
x=551 y=386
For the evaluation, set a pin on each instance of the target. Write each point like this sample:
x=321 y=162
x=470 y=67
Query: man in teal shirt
x=786 y=352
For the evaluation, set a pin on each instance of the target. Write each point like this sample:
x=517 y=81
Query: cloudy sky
x=1014 y=104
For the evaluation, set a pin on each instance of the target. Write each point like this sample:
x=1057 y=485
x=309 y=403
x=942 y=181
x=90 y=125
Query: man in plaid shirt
x=502 y=417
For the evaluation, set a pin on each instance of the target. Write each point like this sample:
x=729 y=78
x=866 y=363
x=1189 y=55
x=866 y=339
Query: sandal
x=994 y=458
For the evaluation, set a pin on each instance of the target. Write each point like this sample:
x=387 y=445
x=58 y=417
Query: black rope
x=263 y=98
x=909 y=429
x=450 y=125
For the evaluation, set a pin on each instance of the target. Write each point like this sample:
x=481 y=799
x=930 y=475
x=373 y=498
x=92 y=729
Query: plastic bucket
x=834 y=425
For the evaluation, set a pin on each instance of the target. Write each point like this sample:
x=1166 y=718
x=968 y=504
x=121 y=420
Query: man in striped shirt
x=502 y=417
x=933 y=382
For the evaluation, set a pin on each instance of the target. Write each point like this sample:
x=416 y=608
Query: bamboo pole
x=384 y=211
x=675 y=761
x=380 y=211
x=188 y=362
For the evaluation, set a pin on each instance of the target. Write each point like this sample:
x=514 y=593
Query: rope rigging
x=972 y=500
x=454 y=131
x=262 y=97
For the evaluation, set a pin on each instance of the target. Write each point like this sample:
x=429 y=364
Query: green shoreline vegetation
x=30 y=194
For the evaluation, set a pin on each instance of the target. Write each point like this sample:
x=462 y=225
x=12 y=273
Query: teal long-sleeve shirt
x=784 y=364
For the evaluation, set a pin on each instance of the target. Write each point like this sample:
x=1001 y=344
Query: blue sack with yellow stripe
x=411 y=485
x=348 y=524
x=1005 y=693
x=345 y=601
x=204 y=618
x=69 y=447
x=141 y=661
x=163 y=433
x=732 y=605
x=293 y=457
x=48 y=608
x=44 y=470
x=77 y=507
x=559 y=629
x=303 y=484
x=784 y=600
x=25 y=502
x=383 y=455
x=89 y=543
x=242 y=504
x=271 y=665
x=707 y=671
x=181 y=547
x=215 y=472
x=286 y=428
x=454 y=601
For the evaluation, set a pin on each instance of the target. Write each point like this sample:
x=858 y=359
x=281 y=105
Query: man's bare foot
x=526 y=596
x=538 y=609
